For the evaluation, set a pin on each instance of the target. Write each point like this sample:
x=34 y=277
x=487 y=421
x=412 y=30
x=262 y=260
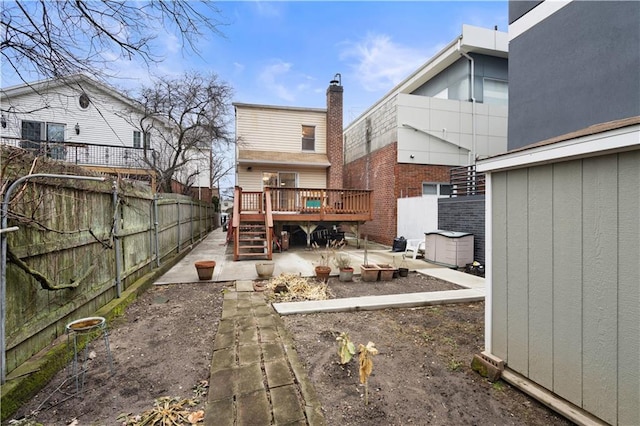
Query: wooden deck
x=309 y=205
x=291 y=206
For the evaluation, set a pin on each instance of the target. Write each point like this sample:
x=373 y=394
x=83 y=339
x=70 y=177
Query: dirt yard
x=162 y=347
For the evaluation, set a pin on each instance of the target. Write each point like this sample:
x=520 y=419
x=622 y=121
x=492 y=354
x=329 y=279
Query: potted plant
x=368 y=272
x=322 y=268
x=205 y=269
x=343 y=263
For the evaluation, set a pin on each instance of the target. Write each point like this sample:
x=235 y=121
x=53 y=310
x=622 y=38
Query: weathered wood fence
x=79 y=245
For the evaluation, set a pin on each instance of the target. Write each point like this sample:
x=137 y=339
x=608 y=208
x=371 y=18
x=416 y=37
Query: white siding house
x=281 y=147
x=86 y=122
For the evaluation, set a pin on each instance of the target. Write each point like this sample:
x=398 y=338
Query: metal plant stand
x=76 y=330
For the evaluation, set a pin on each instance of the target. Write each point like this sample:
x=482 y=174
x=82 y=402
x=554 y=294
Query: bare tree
x=195 y=112
x=66 y=37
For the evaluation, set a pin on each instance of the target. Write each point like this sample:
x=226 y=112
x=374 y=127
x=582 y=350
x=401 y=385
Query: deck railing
x=306 y=200
x=467 y=181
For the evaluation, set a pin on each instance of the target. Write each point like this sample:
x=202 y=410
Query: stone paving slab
x=278 y=373
x=286 y=405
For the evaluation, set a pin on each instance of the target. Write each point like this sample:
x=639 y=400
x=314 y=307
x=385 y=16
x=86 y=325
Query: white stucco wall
x=417 y=215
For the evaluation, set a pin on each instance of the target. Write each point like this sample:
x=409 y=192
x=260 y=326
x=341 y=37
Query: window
x=51 y=144
x=279 y=179
x=495 y=92
x=84 y=101
x=439 y=189
x=136 y=139
x=308 y=138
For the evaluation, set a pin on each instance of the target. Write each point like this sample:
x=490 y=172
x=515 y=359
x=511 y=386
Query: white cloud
x=238 y=67
x=268 y=9
x=274 y=76
x=378 y=63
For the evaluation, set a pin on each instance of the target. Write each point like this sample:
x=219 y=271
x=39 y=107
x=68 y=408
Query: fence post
x=116 y=239
x=178 y=231
x=155 y=225
x=191 y=221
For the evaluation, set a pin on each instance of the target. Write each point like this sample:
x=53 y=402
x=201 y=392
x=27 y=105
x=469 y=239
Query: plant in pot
x=343 y=263
x=368 y=271
x=322 y=268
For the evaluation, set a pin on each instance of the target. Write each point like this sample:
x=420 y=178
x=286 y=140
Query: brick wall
x=334 y=137
x=389 y=181
x=377 y=172
x=464 y=214
x=409 y=178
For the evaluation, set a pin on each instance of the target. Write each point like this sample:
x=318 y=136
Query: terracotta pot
x=369 y=272
x=205 y=269
x=386 y=272
x=322 y=273
x=265 y=269
x=346 y=274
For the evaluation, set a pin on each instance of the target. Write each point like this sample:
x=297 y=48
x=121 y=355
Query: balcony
x=86 y=154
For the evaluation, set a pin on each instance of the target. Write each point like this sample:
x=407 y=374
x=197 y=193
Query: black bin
x=399 y=244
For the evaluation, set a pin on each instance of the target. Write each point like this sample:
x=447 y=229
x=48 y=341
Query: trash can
x=399 y=244
x=284 y=240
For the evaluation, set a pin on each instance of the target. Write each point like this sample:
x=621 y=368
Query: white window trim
x=438 y=189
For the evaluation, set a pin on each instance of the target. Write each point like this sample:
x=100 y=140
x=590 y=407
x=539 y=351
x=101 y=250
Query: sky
x=285 y=52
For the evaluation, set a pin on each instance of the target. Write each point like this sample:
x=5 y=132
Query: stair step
x=252 y=254
x=244 y=247
x=252 y=233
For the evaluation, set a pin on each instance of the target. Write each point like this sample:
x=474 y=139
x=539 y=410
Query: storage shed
x=563 y=275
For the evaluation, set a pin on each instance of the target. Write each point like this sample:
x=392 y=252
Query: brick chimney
x=334 y=133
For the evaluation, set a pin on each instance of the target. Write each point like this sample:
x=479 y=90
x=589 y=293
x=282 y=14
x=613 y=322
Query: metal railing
x=87 y=154
x=466 y=181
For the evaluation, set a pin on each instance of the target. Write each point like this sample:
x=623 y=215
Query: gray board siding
x=576 y=68
x=566 y=281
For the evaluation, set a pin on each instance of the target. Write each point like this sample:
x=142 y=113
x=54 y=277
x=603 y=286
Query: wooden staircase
x=252 y=226
x=252 y=241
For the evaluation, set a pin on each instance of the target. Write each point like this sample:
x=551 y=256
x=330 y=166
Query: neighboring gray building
x=448 y=113
x=563 y=209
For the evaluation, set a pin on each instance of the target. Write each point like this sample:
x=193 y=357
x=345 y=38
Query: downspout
x=3 y=257
x=472 y=153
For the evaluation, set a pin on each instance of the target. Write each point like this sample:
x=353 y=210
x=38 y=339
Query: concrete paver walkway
x=256 y=378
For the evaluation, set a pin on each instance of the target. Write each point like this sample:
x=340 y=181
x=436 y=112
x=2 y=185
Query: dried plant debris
x=292 y=287
x=167 y=411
